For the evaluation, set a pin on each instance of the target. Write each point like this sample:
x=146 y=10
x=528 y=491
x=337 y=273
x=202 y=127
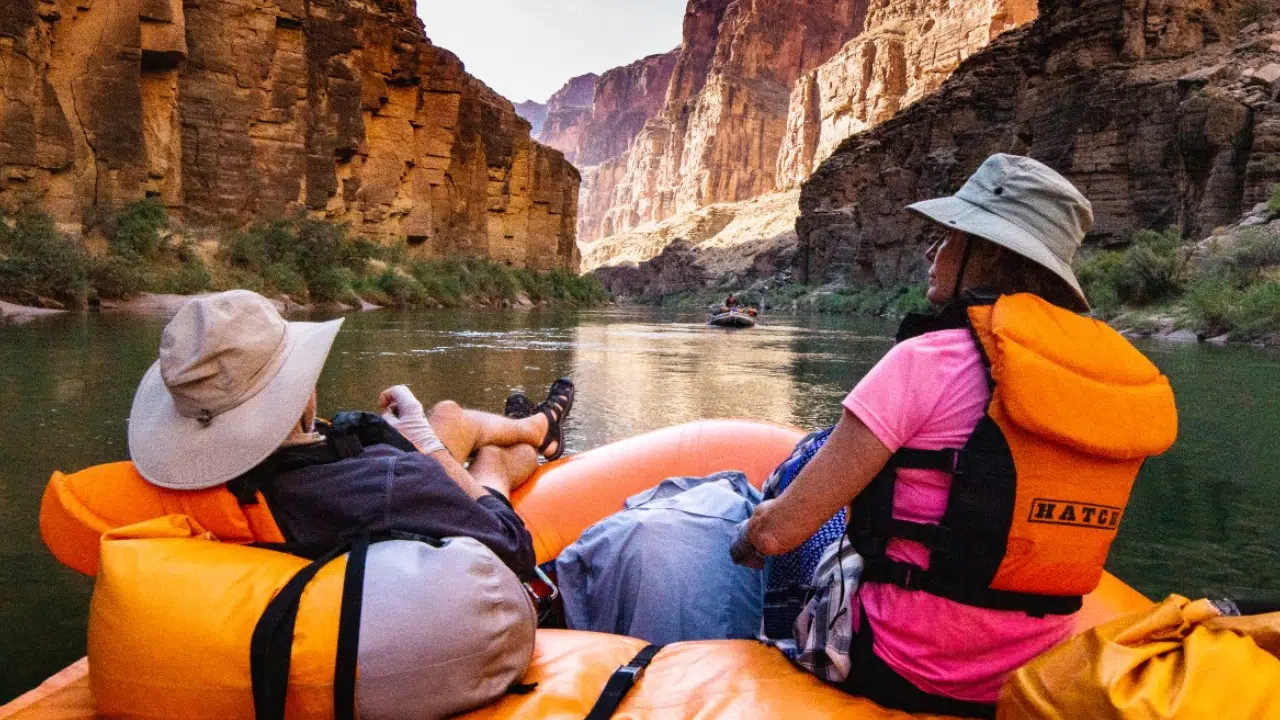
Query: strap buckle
x=912 y=577
x=630 y=674
x=543 y=592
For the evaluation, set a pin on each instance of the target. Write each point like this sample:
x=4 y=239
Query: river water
x=1203 y=517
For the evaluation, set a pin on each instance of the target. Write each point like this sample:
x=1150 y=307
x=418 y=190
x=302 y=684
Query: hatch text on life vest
x=1065 y=512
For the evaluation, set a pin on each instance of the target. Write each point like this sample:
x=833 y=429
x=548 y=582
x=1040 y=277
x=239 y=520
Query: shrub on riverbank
x=1228 y=284
x=308 y=260
x=143 y=255
x=38 y=263
x=1152 y=269
x=893 y=301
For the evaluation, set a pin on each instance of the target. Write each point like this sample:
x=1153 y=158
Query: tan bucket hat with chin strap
x=1023 y=205
x=232 y=382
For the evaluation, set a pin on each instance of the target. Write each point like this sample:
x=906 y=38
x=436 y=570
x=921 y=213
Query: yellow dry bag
x=1179 y=660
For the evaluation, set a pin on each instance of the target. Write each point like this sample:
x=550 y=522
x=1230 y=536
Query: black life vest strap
x=346 y=437
x=912 y=577
x=620 y=683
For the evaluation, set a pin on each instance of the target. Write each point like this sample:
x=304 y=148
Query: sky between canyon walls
x=527 y=49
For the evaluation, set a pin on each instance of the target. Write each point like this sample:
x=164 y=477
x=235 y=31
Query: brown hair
x=1014 y=273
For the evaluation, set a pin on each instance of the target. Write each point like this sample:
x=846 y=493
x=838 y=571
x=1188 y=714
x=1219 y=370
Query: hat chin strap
x=964 y=265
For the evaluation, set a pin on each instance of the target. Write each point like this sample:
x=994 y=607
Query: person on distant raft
x=731 y=302
x=232 y=401
x=906 y=556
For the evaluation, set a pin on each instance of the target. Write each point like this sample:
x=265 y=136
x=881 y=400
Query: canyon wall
x=231 y=110
x=1162 y=112
x=905 y=53
x=535 y=113
x=717 y=136
x=755 y=97
x=567 y=111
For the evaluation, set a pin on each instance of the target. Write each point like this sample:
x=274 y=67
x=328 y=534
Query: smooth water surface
x=1202 y=518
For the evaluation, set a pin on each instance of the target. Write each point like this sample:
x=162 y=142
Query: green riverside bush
x=1152 y=269
x=135 y=230
x=40 y=261
x=1257 y=314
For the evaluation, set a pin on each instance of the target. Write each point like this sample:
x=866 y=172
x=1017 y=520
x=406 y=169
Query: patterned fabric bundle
x=789 y=578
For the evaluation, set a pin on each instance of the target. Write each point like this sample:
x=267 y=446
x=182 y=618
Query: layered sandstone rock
x=718 y=134
x=762 y=92
x=624 y=100
x=567 y=112
x=231 y=110
x=1159 y=112
x=905 y=53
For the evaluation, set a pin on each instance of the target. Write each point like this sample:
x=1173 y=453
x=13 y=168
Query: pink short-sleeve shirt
x=929 y=393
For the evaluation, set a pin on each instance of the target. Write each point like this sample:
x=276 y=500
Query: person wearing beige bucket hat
x=231 y=401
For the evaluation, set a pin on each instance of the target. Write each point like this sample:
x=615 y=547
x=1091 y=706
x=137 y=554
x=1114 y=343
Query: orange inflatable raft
x=704 y=679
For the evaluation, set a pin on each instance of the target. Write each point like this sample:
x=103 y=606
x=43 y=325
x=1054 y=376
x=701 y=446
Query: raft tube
x=732 y=320
x=701 y=679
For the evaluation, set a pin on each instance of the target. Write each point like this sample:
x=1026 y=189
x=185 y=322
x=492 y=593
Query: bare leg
x=501 y=469
x=504 y=469
x=464 y=431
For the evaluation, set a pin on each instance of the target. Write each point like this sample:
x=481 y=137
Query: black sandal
x=556 y=408
x=519 y=407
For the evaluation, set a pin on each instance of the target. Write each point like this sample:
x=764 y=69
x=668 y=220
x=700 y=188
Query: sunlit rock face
x=905 y=53
x=761 y=92
x=231 y=110
x=1163 y=115
x=717 y=136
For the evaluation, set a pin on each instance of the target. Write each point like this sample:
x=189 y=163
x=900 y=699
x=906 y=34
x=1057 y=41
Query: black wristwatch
x=744 y=552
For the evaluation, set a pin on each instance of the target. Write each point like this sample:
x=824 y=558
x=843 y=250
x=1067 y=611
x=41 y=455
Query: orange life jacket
x=78 y=509
x=1038 y=491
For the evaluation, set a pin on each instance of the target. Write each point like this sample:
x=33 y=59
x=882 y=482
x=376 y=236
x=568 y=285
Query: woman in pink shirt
x=1013 y=228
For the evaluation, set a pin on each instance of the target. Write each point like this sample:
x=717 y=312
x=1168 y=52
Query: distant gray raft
x=732 y=319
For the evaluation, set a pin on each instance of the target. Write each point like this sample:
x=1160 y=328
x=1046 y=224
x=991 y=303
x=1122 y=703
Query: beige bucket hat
x=232 y=381
x=1023 y=205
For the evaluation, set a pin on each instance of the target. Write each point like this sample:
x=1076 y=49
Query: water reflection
x=1202 y=517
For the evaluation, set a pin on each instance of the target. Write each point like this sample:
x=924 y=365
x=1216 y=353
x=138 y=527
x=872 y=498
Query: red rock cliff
x=231 y=110
x=905 y=53
x=1161 y=112
x=761 y=92
x=717 y=137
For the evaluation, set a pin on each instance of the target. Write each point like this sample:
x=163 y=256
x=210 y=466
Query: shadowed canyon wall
x=230 y=110
x=1163 y=112
x=567 y=111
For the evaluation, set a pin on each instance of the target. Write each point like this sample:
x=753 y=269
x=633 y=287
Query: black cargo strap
x=271 y=648
x=946 y=460
x=344 y=672
x=620 y=683
x=912 y=577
